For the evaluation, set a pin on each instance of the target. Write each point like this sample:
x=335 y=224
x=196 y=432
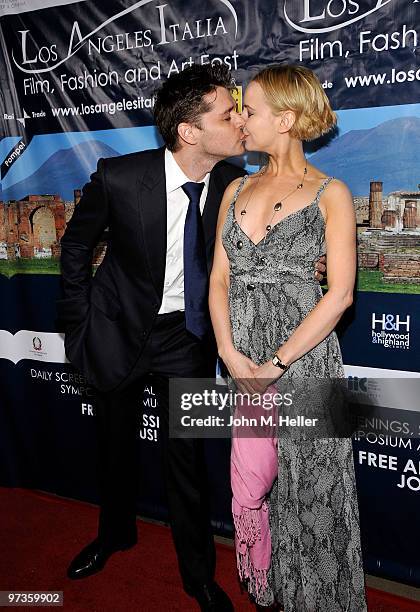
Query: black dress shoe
x=92 y=559
x=211 y=598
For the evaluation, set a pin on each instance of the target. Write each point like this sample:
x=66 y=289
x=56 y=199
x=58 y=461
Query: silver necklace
x=278 y=205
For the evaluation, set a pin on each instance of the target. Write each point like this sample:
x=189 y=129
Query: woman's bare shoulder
x=228 y=196
x=337 y=190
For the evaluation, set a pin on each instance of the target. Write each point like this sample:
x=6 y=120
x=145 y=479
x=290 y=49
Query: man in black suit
x=145 y=310
x=134 y=318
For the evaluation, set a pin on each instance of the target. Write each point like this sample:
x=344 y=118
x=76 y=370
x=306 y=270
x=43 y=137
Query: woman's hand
x=265 y=375
x=321 y=268
x=242 y=369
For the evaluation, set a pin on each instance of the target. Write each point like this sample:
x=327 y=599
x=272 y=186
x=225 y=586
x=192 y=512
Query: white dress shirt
x=177 y=206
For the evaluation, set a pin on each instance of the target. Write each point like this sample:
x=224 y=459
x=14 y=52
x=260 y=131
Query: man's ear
x=285 y=121
x=188 y=133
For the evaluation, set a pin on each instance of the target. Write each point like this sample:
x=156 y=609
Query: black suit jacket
x=107 y=319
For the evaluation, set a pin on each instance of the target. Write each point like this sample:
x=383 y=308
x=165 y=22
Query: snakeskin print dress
x=316 y=563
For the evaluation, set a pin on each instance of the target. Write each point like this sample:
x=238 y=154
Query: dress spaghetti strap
x=324 y=185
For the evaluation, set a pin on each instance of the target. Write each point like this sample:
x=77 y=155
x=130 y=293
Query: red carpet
x=41 y=533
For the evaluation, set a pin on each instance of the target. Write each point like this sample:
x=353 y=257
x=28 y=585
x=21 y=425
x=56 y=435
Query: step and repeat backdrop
x=77 y=83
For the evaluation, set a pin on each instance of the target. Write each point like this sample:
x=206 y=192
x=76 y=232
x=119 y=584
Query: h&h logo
x=389 y=322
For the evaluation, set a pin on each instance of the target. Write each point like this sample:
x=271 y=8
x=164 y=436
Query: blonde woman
x=274 y=326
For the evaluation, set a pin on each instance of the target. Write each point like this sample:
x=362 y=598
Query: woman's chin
x=251 y=146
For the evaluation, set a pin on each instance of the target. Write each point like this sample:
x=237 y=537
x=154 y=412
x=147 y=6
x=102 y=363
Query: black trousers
x=170 y=352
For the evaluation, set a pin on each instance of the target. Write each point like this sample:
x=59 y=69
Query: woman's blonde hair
x=298 y=89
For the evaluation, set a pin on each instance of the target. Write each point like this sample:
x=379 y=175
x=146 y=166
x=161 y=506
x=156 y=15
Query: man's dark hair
x=181 y=98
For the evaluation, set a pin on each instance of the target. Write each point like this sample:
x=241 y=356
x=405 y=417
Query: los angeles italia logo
x=38 y=59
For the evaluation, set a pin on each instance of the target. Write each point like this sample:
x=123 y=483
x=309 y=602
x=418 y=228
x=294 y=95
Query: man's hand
x=321 y=268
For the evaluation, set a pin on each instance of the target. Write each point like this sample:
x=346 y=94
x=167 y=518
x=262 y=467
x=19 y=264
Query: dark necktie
x=195 y=265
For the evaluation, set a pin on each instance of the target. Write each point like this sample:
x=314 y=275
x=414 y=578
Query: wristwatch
x=277 y=362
